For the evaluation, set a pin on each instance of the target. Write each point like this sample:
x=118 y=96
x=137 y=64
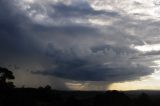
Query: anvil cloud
x=80 y=40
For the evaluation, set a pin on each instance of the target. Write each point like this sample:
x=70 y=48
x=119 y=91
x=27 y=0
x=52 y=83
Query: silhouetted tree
x=5 y=76
x=48 y=87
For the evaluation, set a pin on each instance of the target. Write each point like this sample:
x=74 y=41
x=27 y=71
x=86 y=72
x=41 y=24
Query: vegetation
x=5 y=78
x=45 y=96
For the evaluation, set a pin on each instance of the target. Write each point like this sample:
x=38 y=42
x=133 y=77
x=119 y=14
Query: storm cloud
x=76 y=40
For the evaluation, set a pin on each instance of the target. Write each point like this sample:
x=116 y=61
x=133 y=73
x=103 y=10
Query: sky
x=82 y=44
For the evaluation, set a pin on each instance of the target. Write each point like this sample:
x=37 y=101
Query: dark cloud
x=153 y=53
x=82 y=10
x=61 y=47
x=68 y=30
x=15 y=40
x=89 y=68
x=98 y=73
x=116 y=49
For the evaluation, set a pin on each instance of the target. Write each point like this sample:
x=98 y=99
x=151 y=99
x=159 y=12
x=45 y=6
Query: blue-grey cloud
x=79 y=11
x=68 y=41
x=90 y=68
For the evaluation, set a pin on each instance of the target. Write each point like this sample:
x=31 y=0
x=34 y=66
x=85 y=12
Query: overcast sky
x=80 y=44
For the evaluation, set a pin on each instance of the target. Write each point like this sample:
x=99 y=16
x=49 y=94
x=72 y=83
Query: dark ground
x=48 y=97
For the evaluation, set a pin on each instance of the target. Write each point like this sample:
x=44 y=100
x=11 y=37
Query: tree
x=5 y=77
